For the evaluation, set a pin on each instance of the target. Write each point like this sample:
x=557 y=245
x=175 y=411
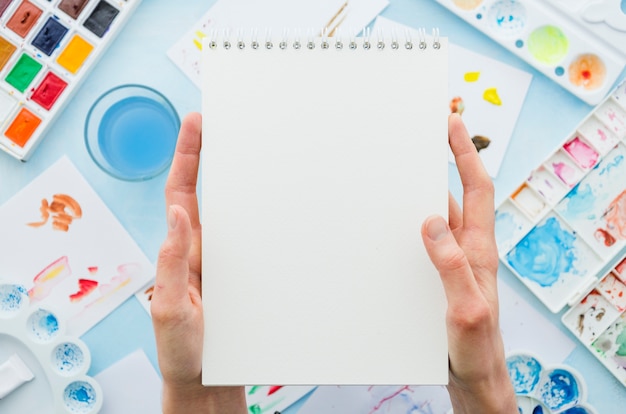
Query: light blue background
x=138 y=55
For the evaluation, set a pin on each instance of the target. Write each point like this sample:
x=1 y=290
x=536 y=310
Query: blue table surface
x=548 y=116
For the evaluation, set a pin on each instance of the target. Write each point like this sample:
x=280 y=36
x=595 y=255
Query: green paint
x=548 y=45
x=23 y=72
x=256 y=408
x=621 y=341
x=254 y=389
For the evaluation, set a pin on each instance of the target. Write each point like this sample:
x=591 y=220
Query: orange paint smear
x=587 y=71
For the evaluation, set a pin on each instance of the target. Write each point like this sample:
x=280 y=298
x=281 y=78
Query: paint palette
x=47 y=48
x=541 y=389
x=59 y=363
x=577 y=43
x=562 y=232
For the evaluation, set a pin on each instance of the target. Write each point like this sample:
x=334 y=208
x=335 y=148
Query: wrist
x=197 y=398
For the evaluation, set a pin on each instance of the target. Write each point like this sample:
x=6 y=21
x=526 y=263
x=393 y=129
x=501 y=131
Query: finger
x=172 y=276
x=450 y=261
x=455 y=214
x=478 y=192
x=180 y=187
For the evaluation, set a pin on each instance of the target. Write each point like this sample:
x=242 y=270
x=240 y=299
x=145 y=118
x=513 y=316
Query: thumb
x=449 y=259
x=172 y=276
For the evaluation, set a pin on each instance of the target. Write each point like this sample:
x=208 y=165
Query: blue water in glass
x=137 y=137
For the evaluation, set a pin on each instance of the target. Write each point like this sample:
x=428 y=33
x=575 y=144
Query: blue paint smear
x=538 y=410
x=505 y=226
x=581 y=201
x=610 y=165
x=544 y=254
x=79 y=396
x=11 y=297
x=68 y=357
x=525 y=372
x=576 y=410
x=560 y=390
x=49 y=323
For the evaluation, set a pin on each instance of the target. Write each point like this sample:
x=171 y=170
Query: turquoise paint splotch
x=11 y=298
x=615 y=163
x=525 y=372
x=79 y=397
x=544 y=254
x=560 y=389
x=581 y=201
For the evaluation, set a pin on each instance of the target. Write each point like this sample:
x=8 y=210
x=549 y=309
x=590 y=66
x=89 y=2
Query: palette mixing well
x=47 y=48
x=562 y=232
x=58 y=363
x=579 y=44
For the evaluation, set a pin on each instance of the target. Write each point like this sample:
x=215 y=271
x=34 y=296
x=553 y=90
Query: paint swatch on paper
x=46 y=49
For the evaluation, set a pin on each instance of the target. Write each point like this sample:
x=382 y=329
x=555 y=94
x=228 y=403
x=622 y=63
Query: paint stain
x=544 y=254
x=6 y=51
x=49 y=36
x=48 y=278
x=11 y=298
x=587 y=71
x=565 y=172
x=471 y=76
x=23 y=72
x=43 y=326
x=101 y=18
x=583 y=154
x=49 y=90
x=63 y=209
x=559 y=389
x=480 y=142
x=79 y=396
x=72 y=7
x=467 y=4
x=538 y=410
x=67 y=358
x=273 y=389
x=507 y=18
x=85 y=287
x=75 y=54
x=615 y=216
x=23 y=127
x=24 y=18
x=548 y=45
x=457 y=105
x=525 y=372
x=491 y=95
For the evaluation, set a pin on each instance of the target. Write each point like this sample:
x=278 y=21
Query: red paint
x=273 y=389
x=49 y=90
x=92 y=270
x=85 y=287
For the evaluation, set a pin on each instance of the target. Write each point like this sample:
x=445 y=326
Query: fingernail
x=437 y=228
x=172 y=218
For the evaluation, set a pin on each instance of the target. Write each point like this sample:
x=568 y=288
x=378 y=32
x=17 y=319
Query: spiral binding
x=322 y=39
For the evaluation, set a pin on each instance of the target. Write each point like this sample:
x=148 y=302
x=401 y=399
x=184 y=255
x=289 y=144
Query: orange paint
x=587 y=71
x=75 y=54
x=23 y=127
x=6 y=51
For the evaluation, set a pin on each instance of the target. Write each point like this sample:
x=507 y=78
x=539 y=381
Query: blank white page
x=318 y=168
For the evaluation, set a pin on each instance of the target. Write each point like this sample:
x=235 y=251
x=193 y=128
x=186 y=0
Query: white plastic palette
x=541 y=389
x=577 y=43
x=58 y=362
x=562 y=232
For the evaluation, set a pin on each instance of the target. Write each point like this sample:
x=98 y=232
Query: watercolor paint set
x=562 y=232
x=541 y=389
x=42 y=369
x=579 y=44
x=47 y=48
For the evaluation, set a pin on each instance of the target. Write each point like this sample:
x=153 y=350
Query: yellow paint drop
x=491 y=96
x=198 y=40
x=471 y=76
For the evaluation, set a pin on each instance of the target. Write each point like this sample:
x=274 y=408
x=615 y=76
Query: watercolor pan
x=58 y=362
x=577 y=44
x=566 y=240
x=47 y=49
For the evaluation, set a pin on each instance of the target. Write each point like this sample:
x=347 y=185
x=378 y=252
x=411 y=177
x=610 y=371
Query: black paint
x=101 y=18
x=49 y=36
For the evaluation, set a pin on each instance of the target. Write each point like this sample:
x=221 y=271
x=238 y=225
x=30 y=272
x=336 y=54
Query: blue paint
x=538 y=410
x=68 y=358
x=12 y=298
x=544 y=254
x=137 y=137
x=623 y=6
x=79 y=397
x=576 y=410
x=559 y=71
x=43 y=325
x=580 y=201
x=49 y=36
x=525 y=372
x=560 y=389
x=519 y=43
x=612 y=164
x=507 y=17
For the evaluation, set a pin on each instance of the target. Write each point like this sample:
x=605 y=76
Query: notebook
x=321 y=158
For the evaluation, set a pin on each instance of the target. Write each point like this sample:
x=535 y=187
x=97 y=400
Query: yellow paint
x=75 y=54
x=471 y=76
x=198 y=40
x=491 y=96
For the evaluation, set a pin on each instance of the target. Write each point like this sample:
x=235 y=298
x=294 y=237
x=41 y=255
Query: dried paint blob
x=49 y=36
x=548 y=45
x=6 y=51
x=585 y=156
x=24 y=18
x=471 y=76
x=23 y=127
x=467 y=4
x=75 y=54
x=12 y=300
x=101 y=18
x=43 y=326
x=587 y=71
x=525 y=372
x=457 y=106
x=492 y=96
x=23 y=72
x=507 y=18
x=49 y=90
x=480 y=142
x=72 y=7
x=80 y=397
x=559 y=389
x=68 y=359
